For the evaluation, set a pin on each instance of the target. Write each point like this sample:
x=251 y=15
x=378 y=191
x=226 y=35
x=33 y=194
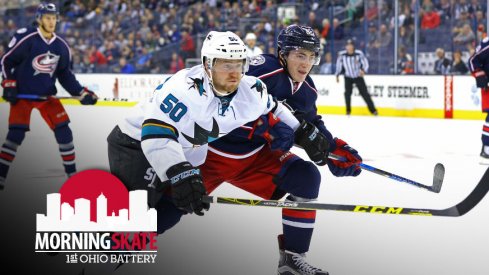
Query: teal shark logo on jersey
x=198 y=84
x=259 y=87
x=203 y=136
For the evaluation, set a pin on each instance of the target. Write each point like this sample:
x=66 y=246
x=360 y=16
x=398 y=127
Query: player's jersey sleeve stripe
x=153 y=128
x=271 y=73
x=471 y=63
x=4 y=73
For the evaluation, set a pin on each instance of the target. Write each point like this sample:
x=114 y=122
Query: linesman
x=353 y=64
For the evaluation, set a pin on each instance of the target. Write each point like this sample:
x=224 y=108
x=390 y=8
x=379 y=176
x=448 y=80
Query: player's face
x=48 y=22
x=226 y=74
x=299 y=63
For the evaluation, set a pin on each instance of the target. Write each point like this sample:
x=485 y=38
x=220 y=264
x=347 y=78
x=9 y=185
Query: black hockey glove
x=88 y=97
x=314 y=142
x=480 y=79
x=10 y=90
x=187 y=188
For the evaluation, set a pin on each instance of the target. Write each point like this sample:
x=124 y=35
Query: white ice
x=242 y=240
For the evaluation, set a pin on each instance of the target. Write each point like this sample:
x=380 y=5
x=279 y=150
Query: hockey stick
x=438 y=175
x=455 y=211
x=37 y=97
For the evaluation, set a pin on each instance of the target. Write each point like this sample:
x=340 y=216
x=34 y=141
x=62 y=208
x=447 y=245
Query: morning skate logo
x=45 y=63
x=94 y=219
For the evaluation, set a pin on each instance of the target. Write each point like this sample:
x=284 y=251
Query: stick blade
x=438 y=175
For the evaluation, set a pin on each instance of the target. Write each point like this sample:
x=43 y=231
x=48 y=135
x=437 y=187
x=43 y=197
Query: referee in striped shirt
x=354 y=65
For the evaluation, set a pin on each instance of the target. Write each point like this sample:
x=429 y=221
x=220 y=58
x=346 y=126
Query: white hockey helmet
x=223 y=45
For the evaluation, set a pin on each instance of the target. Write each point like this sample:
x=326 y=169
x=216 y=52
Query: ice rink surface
x=242 y=240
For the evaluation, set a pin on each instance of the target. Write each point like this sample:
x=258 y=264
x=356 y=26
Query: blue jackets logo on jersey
x=257 y=60
x=45 y=63
x=202 y=136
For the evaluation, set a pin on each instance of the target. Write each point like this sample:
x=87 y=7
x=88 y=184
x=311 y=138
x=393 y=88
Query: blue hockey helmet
x=46 y=8
x=298 y=37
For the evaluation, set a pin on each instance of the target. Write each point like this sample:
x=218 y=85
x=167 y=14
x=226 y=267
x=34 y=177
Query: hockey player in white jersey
x=164 y=139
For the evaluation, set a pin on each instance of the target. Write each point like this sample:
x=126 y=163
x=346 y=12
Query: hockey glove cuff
x=278 y=134
x=10 y=90
x=314 y=142
x=348 y=167
x=480 y=79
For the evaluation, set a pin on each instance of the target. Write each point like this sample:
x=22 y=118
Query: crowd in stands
x=152 y=36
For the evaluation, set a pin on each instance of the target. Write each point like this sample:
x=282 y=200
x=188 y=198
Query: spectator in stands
x=406 y=36
x=405 y=63
x=480 y=17
x=458 y=66
x=481 y=32
x=461 y=7
x=252 y=48
x=82 y=66
x=442 y=64
x=338 y=32
x=313 y=22
x=325 y=29
x=187 y=45
x=124 y=67
x=354 y=9
x=466 y=36
x=327 y=67
x=461 y=21
x=384 y=38
x=372 y=10
x=143 y=60
x=97 y=58
x=372 y=35
x=176 y=63
x=444 y=8
x=111 y=52
x=430 y=19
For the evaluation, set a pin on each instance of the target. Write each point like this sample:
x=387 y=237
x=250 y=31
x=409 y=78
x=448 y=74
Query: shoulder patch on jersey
x=12 y=42
x=478 y=48
x=257 y=60
x=485 y=40
x=259 y=87
x=23 y=30
x=198 y=84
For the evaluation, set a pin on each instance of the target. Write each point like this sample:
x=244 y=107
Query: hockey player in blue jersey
x=270 y=174
x=35 y=58
x=479 y=66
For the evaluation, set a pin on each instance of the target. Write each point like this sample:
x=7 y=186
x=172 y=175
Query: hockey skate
x=291 y=263
x=484 y=155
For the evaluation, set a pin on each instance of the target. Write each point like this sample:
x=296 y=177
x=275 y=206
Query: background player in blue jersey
x=479 y=66
x=35 y=58
x=244 y=159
